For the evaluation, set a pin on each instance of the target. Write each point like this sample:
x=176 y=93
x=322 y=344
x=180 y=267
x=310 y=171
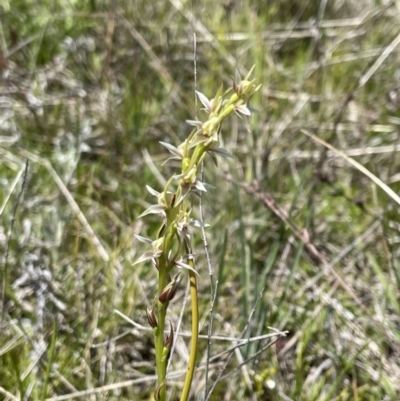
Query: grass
x=299 y=239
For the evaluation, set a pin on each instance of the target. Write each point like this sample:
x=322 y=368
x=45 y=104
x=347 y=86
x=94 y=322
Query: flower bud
x=169 y=292
x=170 y=339
x=151 y=317
x=238 y=88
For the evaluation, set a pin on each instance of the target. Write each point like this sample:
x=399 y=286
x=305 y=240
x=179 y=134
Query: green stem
x=161 y=362
x=195 y=334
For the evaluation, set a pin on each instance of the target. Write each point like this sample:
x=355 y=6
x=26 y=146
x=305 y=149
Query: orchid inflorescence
x=172 y=248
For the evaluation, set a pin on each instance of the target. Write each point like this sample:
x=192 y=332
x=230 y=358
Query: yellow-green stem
x=195 y=334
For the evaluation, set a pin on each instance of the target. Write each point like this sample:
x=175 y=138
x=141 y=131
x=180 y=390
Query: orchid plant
x=171 y=252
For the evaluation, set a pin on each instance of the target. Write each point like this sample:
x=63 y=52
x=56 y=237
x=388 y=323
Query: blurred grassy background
x=87 y=91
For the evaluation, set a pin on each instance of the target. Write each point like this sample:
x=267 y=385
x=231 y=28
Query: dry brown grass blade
x=379 y=61
x=356 y=165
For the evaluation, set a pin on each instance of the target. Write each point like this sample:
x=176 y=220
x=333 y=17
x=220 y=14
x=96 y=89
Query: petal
x=221 y=152
x=152 y=191
x=199 y=224
x=169 y=159
x=253 y=110
x=182 y=265
x=178 y=176
x=175 y=151
x=143 y=239
x=217 y=101
x=200 y=186
x=214 y=159
x=154 y=209
x=208 y=186
x=204 y=100
x=250 y=72
x=184 y=233
x=148 y=255
x=238 y=77
x=243 y=109
x=199 y=138
x=185 y=189
x=195 y=123
x=157 y=244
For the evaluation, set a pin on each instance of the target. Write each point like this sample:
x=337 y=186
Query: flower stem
x=195 y=333
x=161 y=361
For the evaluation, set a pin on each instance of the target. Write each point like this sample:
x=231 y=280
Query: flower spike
x=171 y=250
